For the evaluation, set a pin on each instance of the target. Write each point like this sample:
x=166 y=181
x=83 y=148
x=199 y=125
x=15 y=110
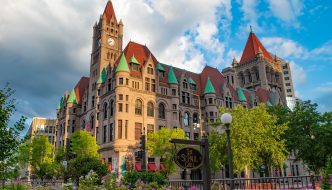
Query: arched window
x=111 y=108
x=185 y=84
x=150 y=109
x=161 y=111
x=105 y=110
x=138 y=107
x=195 y=118
x=186 y=119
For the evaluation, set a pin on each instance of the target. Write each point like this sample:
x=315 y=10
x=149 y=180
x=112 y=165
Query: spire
x=60 y=103
x=133 y=60
x=102 y=76
x=252 y=48
x=171 y=77
x=72 y=97
x=122 y=65
x=160 y=67
x=250 y=29
x=240 y=94
x=209 y=87
x=109 y=12
x=234 y=62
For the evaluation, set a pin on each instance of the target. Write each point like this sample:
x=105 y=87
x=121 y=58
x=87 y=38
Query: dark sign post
x=190 y=158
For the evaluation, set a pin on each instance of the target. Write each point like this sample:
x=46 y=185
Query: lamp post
x=226 y=119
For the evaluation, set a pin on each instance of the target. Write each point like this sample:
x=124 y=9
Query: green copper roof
x=191 y=81
x=160 y=67
x=209 y=87
x=171 y=77
x=268 y=103
x=241 y=95
x=102 y=76
x=123 y=65
x=72 y=97
x=60 y=103
x=134 y=60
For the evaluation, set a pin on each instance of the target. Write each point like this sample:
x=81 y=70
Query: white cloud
x=284 y=48
x=177 y=32
x=325 y=87
x=324 y=52
x=250 y=17
x=287 y=11
x=298 y=74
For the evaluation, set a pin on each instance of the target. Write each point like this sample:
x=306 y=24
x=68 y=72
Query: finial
x=250 y=29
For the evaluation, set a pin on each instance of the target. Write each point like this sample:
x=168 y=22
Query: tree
x=310 y=130
x=81 y=166
x=84 y=145
x=42 y=157
x=255 y=138
x=158 y=145
x=9 y=135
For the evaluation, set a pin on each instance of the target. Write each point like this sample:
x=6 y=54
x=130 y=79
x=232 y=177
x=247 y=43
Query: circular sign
x=188 y=158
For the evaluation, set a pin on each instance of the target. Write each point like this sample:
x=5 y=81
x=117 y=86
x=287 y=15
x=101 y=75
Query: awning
x=162 y=166
x=138 y=166
x=109 y=167
x=152 y=167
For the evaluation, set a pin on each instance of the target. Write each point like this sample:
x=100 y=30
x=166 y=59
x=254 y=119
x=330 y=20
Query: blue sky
x=45 y=44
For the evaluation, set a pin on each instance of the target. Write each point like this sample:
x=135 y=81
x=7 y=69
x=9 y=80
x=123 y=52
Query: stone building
x=129 y=92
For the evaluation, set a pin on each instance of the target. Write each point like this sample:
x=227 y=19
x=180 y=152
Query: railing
x=50 y=183
x=293 y=182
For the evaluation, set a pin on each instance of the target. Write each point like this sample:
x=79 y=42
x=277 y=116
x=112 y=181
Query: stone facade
x=129 y=93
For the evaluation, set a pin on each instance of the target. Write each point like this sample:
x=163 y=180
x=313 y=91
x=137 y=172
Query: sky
x=45 y=45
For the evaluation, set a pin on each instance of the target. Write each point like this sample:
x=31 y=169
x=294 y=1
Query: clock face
x=111 y=41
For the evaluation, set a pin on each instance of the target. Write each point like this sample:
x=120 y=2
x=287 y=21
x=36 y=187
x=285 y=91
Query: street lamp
x=226 y=119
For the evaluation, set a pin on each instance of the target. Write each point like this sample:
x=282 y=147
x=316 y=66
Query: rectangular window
x=111 y=132
x=174 y=106
x=175 y=116
x=284 y=67
x=120 y=107
x=210 y=100
x=286 y=78
x=74 y=110
x=98 y=92
x=289 y=90
x=127 y=108
x=147 y=84
x=164 y=91
x=211 y=114
x=285 y=72
x=173 y=92
x=121 y=81
x=120 y=129
x=127 y=97
x=150 y=128
x=93 y=101
x=104 y=134
x=127 y=81
x=120 y=97
x=153 y=85
x=138 y=131
x=287 y=84
x=126 y=129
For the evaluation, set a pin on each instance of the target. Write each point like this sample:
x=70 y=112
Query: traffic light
x=142 y=142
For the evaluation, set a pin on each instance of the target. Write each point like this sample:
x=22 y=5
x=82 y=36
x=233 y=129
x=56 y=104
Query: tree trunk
x=247 y=176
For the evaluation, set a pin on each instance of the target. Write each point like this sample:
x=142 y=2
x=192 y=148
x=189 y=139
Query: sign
x=188 y=158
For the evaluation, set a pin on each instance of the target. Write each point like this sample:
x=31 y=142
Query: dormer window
x=193 y=86
x=134 y=67
x=185 y=84
x=150 y=69
x=161 y=74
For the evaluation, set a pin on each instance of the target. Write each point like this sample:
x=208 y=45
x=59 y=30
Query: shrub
x=130 y=178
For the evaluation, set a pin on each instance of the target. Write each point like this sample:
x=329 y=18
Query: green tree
x=9 y=135
x=42 y=157
x=81 y=166
x=158 y=145
x=310 y=130
x=84 y=145
x=255 y=138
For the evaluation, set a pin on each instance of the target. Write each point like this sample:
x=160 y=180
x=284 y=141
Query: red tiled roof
x=216 y=77
x=263 y=95
x=109 y=12
x=140 y=52
x=80 y=87
x=251 y=49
